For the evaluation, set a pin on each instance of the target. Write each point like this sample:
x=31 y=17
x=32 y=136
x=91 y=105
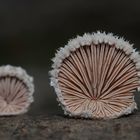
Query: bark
x=43 y=127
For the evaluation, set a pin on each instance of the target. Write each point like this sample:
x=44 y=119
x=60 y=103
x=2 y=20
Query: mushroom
x=95 y=76
x=16 y=90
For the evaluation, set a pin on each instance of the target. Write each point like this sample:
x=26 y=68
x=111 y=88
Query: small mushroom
x=16 y=90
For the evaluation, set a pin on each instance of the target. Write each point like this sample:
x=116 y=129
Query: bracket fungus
x=16 y=90
x=96 y=75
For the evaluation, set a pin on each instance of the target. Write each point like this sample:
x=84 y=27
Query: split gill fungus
x=96 y=75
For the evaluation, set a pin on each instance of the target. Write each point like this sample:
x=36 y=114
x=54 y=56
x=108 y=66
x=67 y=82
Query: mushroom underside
x=13 y=96
x=98 y=80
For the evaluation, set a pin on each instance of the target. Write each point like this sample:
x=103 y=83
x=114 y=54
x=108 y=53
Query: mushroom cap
x=16 y=90
x=96 y=75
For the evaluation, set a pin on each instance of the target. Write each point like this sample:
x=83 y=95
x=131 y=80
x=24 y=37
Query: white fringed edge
x=22 y=75
x=88 y=39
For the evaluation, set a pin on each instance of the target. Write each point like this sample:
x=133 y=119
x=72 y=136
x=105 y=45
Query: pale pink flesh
x=13 y=95
x=99 y=79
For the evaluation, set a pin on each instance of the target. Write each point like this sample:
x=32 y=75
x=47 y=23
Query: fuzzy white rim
x=88 y=39
x=22 y=75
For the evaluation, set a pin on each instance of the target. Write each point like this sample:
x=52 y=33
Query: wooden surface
x=58 y=127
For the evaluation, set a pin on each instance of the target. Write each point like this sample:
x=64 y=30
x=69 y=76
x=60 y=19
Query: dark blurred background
x=31 y=31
